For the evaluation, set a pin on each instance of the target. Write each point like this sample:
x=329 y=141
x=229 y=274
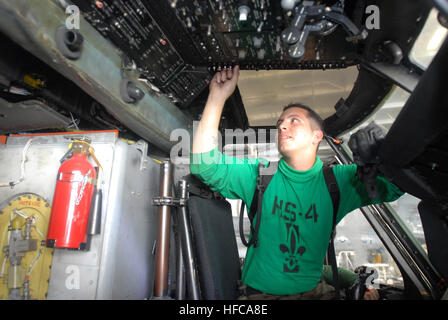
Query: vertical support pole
x=187 y=246
x=180 y=271
x=163 y=240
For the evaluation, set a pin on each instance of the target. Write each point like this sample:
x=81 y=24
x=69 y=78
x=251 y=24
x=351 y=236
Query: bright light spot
x=436 y=40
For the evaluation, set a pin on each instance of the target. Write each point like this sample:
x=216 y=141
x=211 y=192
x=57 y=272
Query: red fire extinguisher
x=76 y=200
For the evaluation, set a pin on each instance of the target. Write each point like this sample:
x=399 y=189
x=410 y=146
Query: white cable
x=22 y=166
x=2 y=272
x=31 y=266
x=20 y=213
x=74 y=122
x=39 y=232
x=7 y=244
x=9 y=228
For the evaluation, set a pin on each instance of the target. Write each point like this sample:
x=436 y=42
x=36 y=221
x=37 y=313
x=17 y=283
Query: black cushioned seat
x=216 y=248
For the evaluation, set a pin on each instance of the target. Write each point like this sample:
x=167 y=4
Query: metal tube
x=180 y=266
x=187 y=246
x=163 y=240
x=94 y=222
x=180 y=272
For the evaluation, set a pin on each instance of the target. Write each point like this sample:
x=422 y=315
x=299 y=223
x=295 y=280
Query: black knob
x=73 y=39
x=135 y=92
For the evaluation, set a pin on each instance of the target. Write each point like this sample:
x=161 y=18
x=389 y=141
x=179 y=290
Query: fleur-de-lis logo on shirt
x=291 y=250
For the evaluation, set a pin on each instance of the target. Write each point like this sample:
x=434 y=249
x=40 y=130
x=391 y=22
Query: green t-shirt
x=297 y=216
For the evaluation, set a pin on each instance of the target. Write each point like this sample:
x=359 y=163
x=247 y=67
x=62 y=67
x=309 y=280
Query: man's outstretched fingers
x=217 y=77
x=223 y=75
x=229 y=73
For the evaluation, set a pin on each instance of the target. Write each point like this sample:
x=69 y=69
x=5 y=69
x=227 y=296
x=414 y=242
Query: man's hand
x=371 y=294
x=221 y=88
x=223 y=84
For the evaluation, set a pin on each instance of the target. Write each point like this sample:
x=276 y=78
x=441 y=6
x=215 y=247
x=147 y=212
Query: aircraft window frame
x=425 y=48
x=428 y=42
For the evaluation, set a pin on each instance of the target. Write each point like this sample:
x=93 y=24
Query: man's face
x=295 y=132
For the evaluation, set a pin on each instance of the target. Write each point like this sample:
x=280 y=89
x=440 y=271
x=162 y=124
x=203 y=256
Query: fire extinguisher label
x=72 y=176
x=85 y=179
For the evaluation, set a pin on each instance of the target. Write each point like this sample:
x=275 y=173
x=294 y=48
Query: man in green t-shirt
x=297 y=212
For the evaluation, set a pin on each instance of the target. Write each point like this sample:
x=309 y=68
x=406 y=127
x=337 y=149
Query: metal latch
x=169 y=201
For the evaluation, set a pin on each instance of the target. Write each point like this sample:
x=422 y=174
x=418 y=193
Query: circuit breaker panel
x=176 y=44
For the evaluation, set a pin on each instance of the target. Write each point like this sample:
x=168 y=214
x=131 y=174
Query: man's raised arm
x=221 y=88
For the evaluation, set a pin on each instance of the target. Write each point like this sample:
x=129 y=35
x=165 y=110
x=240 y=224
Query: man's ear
x=318 y=136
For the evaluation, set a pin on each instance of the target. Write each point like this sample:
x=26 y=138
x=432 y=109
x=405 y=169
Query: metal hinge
x=169 y=201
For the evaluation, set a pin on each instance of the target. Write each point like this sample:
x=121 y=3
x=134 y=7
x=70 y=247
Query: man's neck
x=301 y=163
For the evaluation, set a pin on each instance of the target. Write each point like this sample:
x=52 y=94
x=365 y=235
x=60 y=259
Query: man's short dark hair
x=317 y=123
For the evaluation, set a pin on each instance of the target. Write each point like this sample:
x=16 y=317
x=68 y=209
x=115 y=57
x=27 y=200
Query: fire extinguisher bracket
x=169 y=201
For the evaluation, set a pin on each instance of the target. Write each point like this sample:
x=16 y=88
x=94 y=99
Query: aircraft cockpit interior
x=99 y=104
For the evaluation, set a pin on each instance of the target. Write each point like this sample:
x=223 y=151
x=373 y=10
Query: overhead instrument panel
x=176 y=45
x=257 y=34
x=130 y=25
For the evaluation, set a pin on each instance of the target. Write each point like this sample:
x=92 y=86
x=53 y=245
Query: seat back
x=216 y=248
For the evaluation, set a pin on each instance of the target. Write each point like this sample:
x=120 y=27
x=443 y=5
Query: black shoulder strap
x=264 y=178
x=333 y=189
